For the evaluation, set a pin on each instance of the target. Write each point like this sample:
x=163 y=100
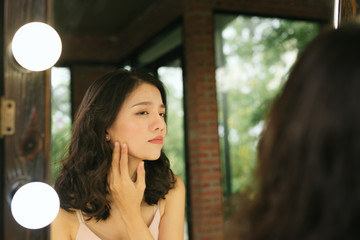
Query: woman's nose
x=158 y=123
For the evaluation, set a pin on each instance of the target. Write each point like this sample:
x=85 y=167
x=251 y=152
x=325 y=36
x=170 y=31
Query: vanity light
x=36 y=46
x=336 y=13
x=35 y=205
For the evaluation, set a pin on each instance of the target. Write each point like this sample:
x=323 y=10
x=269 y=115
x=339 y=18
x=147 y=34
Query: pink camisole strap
x=154 y=226
x=84 y=233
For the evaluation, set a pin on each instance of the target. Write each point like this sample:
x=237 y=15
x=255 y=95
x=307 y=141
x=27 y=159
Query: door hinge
x=7 y=118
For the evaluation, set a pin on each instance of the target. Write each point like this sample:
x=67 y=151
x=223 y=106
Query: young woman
x=309 y=153
x=116 y=182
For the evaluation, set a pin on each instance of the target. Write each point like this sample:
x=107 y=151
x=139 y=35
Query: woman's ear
x=107 y=136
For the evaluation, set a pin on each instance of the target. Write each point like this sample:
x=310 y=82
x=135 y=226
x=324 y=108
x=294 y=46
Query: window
x=174 y=146
x=253 y=57
x=174 y=141
x=60 y=115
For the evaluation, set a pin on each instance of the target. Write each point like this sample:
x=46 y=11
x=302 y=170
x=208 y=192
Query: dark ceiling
x=96 y=17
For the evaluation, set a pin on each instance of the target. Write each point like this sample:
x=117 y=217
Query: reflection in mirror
x=76 y=18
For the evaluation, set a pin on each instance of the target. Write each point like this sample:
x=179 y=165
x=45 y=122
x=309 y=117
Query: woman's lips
x=157 y=140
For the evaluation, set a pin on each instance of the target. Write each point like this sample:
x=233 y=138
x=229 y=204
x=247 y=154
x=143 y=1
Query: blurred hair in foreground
x=308 y=181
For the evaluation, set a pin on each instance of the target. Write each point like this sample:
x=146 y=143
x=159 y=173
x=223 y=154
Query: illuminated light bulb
x=35 y=205
x=36 y=46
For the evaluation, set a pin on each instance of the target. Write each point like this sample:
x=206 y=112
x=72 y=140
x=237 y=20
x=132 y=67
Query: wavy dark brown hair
x=309 y=153
x=82 y=181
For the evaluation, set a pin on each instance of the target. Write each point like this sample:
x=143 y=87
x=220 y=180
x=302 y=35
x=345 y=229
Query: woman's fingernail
x=124 y=145
x=116 y=144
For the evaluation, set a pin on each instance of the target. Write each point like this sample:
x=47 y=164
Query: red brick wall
x=201 y=112
x=201 y=103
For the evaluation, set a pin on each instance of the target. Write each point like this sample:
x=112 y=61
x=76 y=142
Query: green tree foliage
x=60 y=116
x=174 y=140
x=258 y=54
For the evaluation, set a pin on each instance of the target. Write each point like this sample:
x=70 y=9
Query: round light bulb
x=36 y=46
x=35 y=205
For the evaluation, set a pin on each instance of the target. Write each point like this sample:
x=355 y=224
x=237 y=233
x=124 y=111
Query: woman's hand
x=126 y=194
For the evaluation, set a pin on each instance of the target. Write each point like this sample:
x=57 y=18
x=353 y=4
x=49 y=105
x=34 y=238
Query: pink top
x=84 y=233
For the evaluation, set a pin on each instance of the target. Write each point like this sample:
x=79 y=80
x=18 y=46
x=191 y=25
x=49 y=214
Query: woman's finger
x=140 y=180
x=116 y=159
x=124 y=168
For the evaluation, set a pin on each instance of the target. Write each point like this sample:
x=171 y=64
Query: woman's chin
x=147 y=157
x=154 y=156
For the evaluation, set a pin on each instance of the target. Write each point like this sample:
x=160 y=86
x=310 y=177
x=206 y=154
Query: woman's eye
x=142 y=113
x=162 y=114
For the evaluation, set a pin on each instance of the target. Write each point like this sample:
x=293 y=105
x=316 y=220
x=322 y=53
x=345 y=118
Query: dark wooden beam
x=157 y=17
x=26 y=152
x=311 y=10
x=348 y=10
x=89 y=49
x=110 y=49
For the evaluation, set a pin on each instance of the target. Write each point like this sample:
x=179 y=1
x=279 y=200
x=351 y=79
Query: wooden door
x=25 y=153
x=348 y=10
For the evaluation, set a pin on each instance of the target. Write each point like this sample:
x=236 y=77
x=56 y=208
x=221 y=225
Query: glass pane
x=254 y=55
x=174 y=141
x=174 y=147
x=60 y=115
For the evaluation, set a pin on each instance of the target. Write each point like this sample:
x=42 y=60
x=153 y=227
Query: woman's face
x=141 y=123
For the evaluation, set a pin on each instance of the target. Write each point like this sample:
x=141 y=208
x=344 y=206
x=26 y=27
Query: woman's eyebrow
x=146 y=103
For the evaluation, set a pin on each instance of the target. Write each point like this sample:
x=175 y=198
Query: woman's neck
x=133 y=164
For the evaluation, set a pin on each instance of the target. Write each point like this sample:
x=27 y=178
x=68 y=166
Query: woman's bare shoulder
x=177 y=193
x=173 y=212
x=179 y=185
x=65 y=225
